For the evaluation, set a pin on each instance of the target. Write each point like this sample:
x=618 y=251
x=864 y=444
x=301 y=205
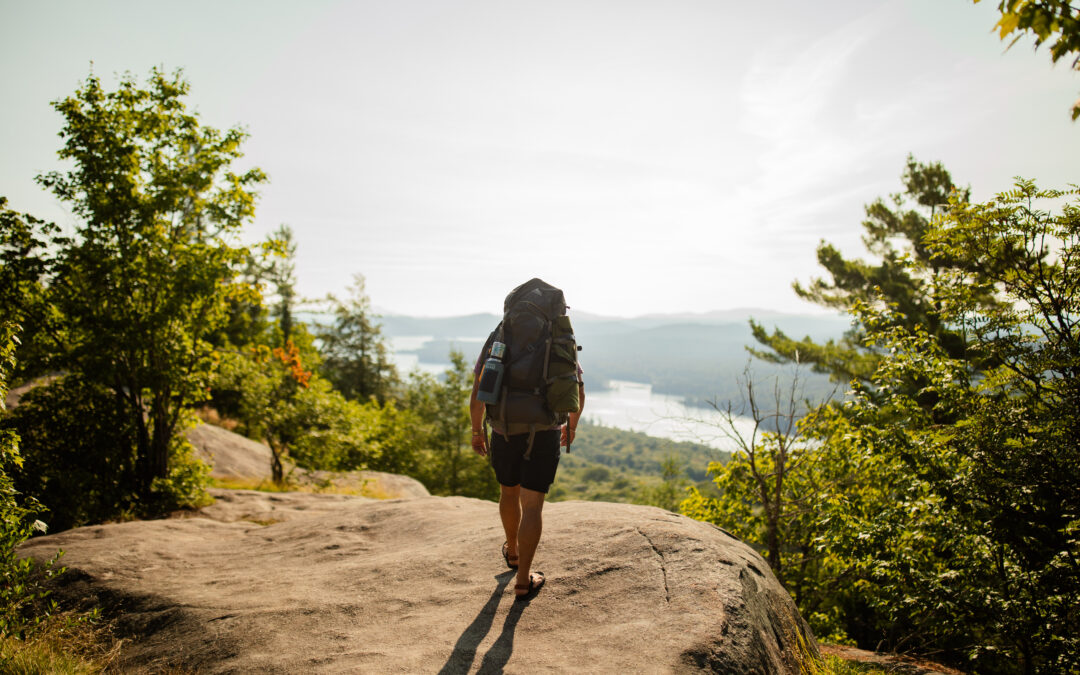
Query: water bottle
x=491 y=375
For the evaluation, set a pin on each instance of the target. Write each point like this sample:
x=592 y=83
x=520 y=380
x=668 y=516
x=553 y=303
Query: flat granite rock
x=348 y=585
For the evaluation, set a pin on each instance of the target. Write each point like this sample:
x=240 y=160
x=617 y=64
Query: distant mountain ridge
x=698 y=357
x=737 y=314
x=479 y=325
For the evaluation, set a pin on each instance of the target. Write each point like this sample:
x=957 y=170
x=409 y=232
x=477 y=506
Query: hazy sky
x=660 y=156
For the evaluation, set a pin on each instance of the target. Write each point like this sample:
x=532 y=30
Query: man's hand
x=479 y=444
x=568 y=434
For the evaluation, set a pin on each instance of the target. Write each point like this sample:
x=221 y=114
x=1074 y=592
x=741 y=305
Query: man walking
x=525 y=458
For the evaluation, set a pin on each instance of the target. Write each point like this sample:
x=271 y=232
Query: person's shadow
x=461 y=659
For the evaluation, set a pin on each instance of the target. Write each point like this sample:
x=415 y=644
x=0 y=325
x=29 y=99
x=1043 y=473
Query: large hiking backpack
x=540 y=380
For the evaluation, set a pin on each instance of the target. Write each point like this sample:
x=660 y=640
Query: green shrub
x=78 y=453
x=185 y=486
x=597 y=474
x=79 y=458
x=22 y=593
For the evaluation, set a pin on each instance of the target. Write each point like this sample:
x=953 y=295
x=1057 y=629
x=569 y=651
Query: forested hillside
x=607 y=464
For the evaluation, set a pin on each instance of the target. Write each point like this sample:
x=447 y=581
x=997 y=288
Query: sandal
x=529 y=590
x=511 y=560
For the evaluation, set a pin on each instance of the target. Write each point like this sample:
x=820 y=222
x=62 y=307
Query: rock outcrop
x=335 y=584
x=234 y=457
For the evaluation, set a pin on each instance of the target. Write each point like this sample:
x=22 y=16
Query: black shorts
x=536 y=473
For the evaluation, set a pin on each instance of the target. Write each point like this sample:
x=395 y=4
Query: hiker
x=526 y=458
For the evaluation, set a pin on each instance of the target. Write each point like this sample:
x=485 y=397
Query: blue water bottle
x=491 y=375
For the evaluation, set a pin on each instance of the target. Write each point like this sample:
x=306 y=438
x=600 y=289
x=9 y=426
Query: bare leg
x=528 y=536
x=510 y=513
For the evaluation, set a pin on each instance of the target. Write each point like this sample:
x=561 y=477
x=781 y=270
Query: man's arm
x=476 y=415
x=570 y=430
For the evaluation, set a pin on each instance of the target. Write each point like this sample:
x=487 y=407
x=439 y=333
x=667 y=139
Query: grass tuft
x=834 y=665
x=69 y=643
x=366 y=488
x=250 y=484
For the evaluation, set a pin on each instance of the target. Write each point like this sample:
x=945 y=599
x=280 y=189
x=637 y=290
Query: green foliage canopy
x=355 y=356
x=24 y=266
x=904 y=273
x=945 y=510
x=769 y=494
x=146 y=278
x=978 y=550
x=448 y=465
x=280 y=271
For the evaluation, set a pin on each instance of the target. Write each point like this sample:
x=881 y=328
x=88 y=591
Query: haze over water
x=632 y=406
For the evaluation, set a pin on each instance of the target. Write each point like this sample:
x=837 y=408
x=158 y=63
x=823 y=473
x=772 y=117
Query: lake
x=632 y=406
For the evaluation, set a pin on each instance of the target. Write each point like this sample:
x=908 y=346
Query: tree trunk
x=161 y=437
x=772 y=537
x=144 y=476
x=277 y=469
x=143 y=471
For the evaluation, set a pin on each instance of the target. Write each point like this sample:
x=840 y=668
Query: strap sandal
x=528 y=591
x=511 y=560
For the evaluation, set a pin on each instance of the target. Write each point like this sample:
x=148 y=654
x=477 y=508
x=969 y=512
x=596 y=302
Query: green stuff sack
x=562 y=393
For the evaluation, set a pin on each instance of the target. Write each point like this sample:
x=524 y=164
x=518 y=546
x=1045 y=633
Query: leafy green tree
x=1052 y=22
x=389 y=440
x=247 y=319
x=77 y=459
x=904 y=274
x=355 y=356
x=771 y=495
x=317 y=428
x=306 y=422
x=978 y=551
x=448 y=465
x=23 y=298
x=1018 y=433
x=943 y=495
x=280 y=272
x=268 y=382
x=146 y=279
